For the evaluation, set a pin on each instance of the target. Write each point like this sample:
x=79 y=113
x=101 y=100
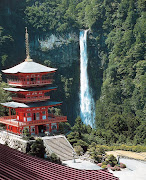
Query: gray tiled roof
x=36 y=104
x=29 y=67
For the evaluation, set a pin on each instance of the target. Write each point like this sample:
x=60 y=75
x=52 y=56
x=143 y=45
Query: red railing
x=29 y=83
x=47 y=121
x=11 y=120
x=8 y=117
x=31 y=99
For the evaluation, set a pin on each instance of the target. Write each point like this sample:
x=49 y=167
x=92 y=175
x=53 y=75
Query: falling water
x=87 y=105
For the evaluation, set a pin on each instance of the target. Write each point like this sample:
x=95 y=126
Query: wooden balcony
x=29 y=83
x=31 y=99
x=11 y=120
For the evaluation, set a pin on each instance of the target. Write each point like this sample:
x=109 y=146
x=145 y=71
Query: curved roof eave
x=29 y=67
x=29 y=89
x=14 y=104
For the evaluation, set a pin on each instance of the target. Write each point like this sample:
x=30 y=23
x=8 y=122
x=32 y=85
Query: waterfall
x=87 y=104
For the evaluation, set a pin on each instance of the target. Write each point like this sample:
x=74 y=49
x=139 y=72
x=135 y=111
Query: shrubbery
x=54 y=158
x=37 y=148
x=78 y=150
x=26 y=135
x=111 y=160
x=104 y=166
x=137 y=148
x=122 y=165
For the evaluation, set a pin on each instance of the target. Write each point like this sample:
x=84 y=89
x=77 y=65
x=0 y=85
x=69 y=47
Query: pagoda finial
x=27 y=46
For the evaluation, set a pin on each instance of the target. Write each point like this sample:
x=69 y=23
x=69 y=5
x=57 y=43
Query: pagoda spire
x=27 y=46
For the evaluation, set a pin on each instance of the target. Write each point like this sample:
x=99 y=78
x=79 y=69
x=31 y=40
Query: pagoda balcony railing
x=8 y=117
x=11 y=120
x=29 y=83
x=31 y=99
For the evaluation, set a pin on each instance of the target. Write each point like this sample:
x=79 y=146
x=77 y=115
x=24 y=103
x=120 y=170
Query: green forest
x=117 y=74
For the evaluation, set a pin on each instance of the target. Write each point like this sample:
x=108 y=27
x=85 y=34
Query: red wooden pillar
x=57 y=126
x=30 y=130
x=10 y=113
x=47 y=114
x=50 y=127
x=45 y=127
x=36 y=130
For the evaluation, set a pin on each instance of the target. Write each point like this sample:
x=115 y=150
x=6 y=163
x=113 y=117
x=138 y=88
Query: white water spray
x=87 y=105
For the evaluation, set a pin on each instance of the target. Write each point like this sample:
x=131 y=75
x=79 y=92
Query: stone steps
x=60 y=146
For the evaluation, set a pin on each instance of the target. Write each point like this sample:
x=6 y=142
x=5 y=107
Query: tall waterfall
x=87 y=105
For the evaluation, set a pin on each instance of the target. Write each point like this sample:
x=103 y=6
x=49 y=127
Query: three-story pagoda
x=31 y=84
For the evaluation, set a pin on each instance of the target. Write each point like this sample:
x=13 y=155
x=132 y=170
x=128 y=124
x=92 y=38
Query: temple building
x=31 y=84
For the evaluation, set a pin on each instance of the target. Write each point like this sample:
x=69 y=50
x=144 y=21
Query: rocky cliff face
x=61 y=50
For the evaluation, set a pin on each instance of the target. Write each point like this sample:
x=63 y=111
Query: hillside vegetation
x=118 y=28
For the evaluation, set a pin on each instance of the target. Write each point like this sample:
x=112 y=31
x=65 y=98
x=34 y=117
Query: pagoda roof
x=29 y=67
x=30 y=105
x=30 y=89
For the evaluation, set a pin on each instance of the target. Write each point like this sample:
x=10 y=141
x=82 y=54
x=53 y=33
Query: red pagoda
x=31 y=84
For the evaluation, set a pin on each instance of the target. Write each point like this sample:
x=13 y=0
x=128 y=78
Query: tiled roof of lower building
x=15 y=165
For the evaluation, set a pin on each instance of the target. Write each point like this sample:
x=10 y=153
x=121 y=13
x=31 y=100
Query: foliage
x=58 y=112
x=4 y=97
x=6 y=41
x=11 y=28
x=78 y=150
x=81 y=143
x=111 y=160
x=96 y=152
x=90 y=138
x=140 y=135
x=73 y=137
x=137 y=148
x=64 y=127
x=120 y=108
x=116 y=168
x=122 y=165
x=37 y=148
x=78 y=127
x=83 y=135
x=2 y=126
x=104 y=166
x=26 y=134
x=54 y=158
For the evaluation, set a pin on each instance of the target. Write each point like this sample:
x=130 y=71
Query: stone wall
x=14 y=141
